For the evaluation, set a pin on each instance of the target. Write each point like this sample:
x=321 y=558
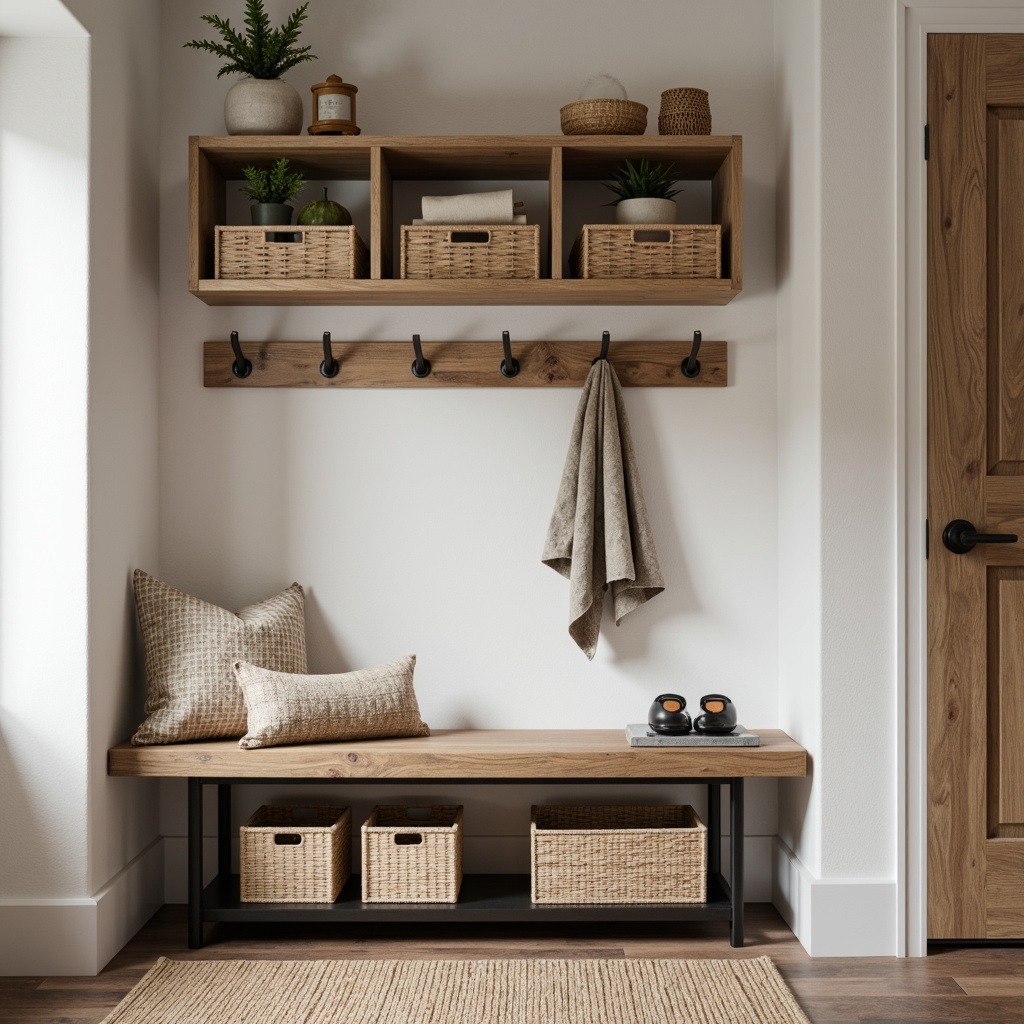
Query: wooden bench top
x=467 y=754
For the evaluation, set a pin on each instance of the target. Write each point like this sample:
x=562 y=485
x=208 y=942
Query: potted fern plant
x=271 y=190
x=644 y=193
x=262 y=103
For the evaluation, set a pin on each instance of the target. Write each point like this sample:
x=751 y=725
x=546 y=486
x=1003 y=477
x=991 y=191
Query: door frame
x=915 y=20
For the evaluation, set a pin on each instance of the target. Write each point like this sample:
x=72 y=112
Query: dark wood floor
x=977 y=985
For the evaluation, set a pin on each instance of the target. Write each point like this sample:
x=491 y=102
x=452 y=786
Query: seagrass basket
x=684 y=111
x=290 y=252
x=648 y=251
x=299 y=853
x=655 y=854
x=412 y=854
x=470 y=251
x=604 y=117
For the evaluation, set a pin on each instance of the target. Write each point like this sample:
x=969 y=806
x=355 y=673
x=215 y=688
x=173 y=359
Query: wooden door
x=976 y=473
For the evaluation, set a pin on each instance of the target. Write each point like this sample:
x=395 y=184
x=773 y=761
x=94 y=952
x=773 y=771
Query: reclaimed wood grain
x=386 y=364
x=467 y=754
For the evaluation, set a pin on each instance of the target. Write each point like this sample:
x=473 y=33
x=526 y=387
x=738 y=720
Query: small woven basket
x=298 y=853
x=648 y=251
x=412 y=854
x=290 y=252
x=618 y=855
x=604 y=117
x=470 y=251
x=684 y=111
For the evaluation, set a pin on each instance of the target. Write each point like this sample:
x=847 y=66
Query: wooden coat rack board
x=474 y=364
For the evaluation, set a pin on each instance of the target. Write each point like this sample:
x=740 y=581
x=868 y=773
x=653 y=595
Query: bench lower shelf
x=482 y=898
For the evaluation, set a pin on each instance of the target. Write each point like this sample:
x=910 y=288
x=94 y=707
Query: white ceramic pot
x=646 y=211
x=263 y=106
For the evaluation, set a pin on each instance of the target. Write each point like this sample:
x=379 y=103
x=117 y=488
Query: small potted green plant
x=262 y=103
x=271 y=190
x=644 y=193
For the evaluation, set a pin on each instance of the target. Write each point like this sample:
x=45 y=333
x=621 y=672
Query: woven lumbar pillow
x=369 y=704
x=191 y=647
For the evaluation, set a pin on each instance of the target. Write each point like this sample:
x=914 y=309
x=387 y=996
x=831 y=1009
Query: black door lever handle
x=960 y=537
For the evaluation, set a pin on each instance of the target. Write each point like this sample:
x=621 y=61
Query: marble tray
x=642 y=736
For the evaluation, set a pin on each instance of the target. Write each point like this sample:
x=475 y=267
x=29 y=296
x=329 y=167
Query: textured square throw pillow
x=191 y=647
x=371 y=703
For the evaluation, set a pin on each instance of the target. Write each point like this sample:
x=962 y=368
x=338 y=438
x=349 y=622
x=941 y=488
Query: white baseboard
x=843 y=917
x=128 y=901
x=500 y=854
x=79 y=936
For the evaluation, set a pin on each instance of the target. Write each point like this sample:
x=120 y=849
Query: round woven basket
x=604 y=117
x=684 y=111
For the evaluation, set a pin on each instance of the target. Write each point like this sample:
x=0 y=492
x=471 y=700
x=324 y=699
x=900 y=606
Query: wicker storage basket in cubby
x=685 y=251
x=299 y=853
x=655 y=854
x=290 y=253
x=470 y=251
x=412 y=854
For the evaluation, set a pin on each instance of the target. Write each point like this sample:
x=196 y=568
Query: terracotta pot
x=263 y=106
x=645 y=211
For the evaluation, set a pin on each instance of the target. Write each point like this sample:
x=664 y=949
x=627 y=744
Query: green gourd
x=324 y=211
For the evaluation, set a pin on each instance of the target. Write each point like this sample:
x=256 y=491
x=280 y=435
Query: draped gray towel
x=599 y=534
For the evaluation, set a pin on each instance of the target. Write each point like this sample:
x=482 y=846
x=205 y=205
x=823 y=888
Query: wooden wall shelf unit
x=589 y=757
x=381 y=160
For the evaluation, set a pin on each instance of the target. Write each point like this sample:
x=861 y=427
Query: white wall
x=124 y=847
x=415 y=520
x=836 y=861
x=43 y=356
x=80 y=858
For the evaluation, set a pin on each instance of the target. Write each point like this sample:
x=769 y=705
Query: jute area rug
x=460 y=992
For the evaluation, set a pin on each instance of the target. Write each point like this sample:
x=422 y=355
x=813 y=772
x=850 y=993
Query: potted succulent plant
x=271 y=191
x=262 y=103
x=644 y=193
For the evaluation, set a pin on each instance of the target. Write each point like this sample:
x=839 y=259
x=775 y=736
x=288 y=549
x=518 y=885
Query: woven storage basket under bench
x=290 y=253
x=646 y=854
x=412 y=854
x=648 y=251
x=470 y=251
x=300 y=853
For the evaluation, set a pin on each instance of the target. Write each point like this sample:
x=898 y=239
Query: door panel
x=1006 y=703
x=976 y=472
x=1006 y=296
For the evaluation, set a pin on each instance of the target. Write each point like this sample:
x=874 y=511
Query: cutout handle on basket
x=287 y=839
x=286 y=237
x=469 y=237
x=649 y=235
x=408 y=839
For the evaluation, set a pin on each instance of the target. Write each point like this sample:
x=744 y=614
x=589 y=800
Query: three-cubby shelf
x=382 y=161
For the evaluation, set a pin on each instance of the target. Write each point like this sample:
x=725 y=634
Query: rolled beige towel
x=471 y=208
x=517 y=218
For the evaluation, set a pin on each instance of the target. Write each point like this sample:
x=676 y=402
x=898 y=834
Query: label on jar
x=334 y=106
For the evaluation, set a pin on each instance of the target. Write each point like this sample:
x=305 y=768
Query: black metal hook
x=509 y=366
x=605 y=340
x=241 y=367
x=420 y=366
x=691 y=365
x=330 y=366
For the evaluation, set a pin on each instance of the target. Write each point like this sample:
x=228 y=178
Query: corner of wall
x=47 y=937
x=834 y=917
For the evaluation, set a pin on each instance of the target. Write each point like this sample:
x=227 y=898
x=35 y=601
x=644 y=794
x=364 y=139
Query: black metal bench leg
x=224 y=831
x=195 y=863
x=714 y=830
x=736 y=859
